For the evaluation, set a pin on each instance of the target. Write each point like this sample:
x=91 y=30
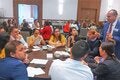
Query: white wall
x=6 y=6
x=50 y=9
x=106 y=5
x=0 y=4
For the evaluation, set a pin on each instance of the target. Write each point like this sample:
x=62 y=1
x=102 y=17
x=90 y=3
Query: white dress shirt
x=70 y=70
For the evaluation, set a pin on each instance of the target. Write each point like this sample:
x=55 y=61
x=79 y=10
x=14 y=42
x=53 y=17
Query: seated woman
x=94 y=44
x=4 y=38
x=73 y=37
x=57 y=39
x=36 y=38
x=108 y=66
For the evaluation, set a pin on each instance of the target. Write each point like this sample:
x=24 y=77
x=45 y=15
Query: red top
x=46 y=32
x=66 y=27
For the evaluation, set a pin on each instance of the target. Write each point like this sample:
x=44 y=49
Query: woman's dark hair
x=60 y=36
x=46 y=23
x=71 y=30
x=35 y=20
x=76 y=38
x=9 y=20
x=34 y=30
x=4 y=24
x=109 y=48
x=4 y=38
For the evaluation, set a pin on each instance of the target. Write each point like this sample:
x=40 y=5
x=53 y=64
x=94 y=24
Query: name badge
x=116 y=30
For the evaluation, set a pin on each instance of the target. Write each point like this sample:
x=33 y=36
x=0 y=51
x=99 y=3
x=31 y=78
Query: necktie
x=109 y=31
x=110 y=28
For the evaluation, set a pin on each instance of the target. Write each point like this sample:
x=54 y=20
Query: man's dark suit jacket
x=116 y=36
x=13 y=69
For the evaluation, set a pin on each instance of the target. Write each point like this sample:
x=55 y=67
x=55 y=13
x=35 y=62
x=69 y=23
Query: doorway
x=37 y=3
x=28 y=12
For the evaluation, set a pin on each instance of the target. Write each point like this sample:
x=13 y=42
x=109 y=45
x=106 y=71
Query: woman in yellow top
x=36 y=38
x=4 y=38
x=57 y=39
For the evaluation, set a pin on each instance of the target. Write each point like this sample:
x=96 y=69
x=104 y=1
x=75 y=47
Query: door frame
x=39 y=3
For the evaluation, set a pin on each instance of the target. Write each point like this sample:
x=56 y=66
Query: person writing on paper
x=12 y=66
x=72 y=68
x=36 y=38
x=57 y=39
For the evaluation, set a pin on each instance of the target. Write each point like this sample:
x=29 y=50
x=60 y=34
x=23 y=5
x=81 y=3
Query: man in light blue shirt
x=73 y=68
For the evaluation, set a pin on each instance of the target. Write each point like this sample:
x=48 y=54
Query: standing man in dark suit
x=12 y=66
x=111 y=30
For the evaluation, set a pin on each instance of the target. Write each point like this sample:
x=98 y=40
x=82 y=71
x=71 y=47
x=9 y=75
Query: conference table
x=42 y=54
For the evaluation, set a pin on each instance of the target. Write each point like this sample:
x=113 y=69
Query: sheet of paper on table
x=39 y=61
x=50 y=46
x=49 y=56
x=36 y=47
x=34 y=71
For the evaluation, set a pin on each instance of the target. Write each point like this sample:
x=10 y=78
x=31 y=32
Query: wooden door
x=90 y=14
x=89 y=9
